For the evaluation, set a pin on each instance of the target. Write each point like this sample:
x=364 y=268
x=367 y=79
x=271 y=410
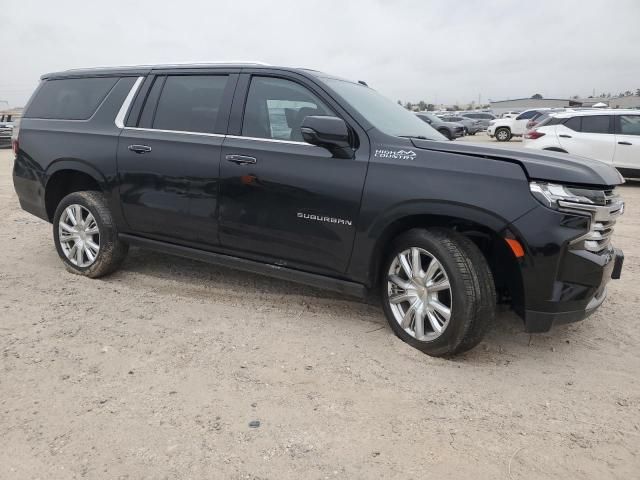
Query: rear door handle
x=241 y=159
x=564 y=135
x=140 y=148
x=625 y=143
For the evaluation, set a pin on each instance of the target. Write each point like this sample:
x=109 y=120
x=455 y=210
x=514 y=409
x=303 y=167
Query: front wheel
x=503 y=134
x=85 y=235
x=437 y=291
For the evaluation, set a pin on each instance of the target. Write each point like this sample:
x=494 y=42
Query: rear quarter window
x=70 y=98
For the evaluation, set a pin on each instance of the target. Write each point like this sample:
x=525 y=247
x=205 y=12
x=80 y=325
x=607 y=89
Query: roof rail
x=195 y=64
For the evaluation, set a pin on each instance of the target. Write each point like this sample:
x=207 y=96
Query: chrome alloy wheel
x=419 y=294
x=502 y=135
x=79 y=235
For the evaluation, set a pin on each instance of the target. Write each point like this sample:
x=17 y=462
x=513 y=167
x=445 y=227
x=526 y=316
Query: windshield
x=384 y=114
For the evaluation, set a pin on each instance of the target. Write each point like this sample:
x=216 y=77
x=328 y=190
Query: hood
x=549 y=166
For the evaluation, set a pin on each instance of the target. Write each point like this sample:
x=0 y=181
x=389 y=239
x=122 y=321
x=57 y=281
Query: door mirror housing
x=331 y=133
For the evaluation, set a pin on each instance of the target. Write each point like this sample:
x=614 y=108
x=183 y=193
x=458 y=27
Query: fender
x=365 y=260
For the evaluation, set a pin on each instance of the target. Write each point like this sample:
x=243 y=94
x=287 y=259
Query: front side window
x=190 y=103
x=70 y=98
x=595 y=124
x=630 y=124
x=276 y=107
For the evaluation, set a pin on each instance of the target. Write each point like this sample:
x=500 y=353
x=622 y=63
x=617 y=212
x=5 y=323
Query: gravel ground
x=157 y=371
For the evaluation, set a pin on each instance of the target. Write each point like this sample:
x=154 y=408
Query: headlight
x=555 y=196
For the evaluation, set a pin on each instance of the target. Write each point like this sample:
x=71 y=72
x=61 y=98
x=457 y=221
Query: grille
x=603 y=219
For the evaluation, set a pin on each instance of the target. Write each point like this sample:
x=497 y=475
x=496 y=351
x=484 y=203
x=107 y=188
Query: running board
x=314 y=280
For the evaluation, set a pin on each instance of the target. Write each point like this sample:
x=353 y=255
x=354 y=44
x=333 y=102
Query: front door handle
x=241 y=159
x=140 y=148
x=625 y=143
x=564 y=135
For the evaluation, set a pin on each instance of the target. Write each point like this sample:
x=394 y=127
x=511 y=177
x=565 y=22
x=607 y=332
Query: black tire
x=503 y=134
x=473 y=296
x=112 y=250
x=446 y=133
x=473 y=133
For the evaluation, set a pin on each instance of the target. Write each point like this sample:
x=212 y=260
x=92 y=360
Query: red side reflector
x=15 y=146
x=515 y=246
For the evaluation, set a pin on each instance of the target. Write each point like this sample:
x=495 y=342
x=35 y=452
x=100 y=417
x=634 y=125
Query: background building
x=520 y=104
x=628 y=101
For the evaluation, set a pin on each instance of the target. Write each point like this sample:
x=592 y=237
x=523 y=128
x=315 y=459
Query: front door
x=282 y=199
x=627 y=153
x=168 y=164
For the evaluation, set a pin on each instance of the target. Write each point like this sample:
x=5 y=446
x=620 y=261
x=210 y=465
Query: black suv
x=304 y=176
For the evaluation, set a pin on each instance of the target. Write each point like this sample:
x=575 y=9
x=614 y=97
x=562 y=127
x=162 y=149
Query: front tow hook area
x=617 y=265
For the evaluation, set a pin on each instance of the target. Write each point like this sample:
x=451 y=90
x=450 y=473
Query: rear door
x=169 y=155
x=588 y=136
x=627 y=153
x=284 y=200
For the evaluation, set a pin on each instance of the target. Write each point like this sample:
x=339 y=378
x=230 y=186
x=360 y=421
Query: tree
x=400 y=102
x=408 y=106
x=431 y=107
x=422 y=106
x=537 y=96
x=638 y=92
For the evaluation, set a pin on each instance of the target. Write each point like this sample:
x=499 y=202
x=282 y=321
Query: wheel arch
x=485 y=229
x=66 y=176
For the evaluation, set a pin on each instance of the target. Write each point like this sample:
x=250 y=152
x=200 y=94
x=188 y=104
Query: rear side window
x=630 y=124
x=70 y=98
x=574 y=123
x=527 y=115
x=190 y=103
x=595 y=124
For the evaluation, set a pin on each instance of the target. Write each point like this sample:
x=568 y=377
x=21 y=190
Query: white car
x=504 y=129
x=611 y=136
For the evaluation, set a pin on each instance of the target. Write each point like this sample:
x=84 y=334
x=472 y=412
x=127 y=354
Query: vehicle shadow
x=187 y=278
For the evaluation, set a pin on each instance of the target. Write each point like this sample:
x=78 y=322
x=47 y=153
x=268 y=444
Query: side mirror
x=331 y=133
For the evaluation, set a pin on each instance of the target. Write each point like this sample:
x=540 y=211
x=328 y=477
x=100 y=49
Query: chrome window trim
x=184 y=132
x=124 y=109
x=273 y=140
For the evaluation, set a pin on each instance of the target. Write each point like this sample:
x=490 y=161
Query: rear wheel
x=85 y=235
x=438 y=291
x=503 y=134
x=446 y=133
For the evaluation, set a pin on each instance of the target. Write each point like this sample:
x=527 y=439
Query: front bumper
x=562 y=280
x=539 y=322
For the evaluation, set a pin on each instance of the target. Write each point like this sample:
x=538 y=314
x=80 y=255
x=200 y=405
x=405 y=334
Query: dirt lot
x=156 y=371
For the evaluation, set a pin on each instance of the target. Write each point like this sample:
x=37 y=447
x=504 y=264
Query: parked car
x=303 y=176
x=6 y=129
x=451 y=130
x=504 y=129
x=483 y=117
x=471 y=127
x=5 y=136
x=611 y=136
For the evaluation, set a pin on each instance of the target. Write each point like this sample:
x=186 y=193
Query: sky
x=437 y=51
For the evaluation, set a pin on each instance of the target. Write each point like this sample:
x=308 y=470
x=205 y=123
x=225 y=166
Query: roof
x=599 y=111
x=536 y=99
x=132 y=70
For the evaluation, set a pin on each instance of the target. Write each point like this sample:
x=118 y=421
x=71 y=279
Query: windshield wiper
x=419 y=137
